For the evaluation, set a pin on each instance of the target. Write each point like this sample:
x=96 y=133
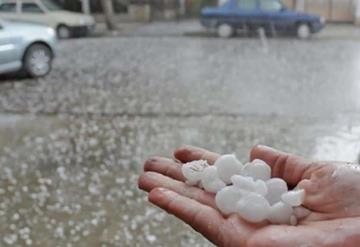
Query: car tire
x=38 y=60
x=303 y=31
x=225 y=30
x=63 y=32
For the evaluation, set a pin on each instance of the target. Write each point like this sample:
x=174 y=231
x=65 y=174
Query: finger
x=164 y=166
x=151 y=180
x=289 y=167
x=204 y=219
x=190 y=153
x=317 y=191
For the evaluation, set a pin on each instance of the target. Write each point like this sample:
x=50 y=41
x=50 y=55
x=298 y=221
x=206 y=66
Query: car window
x=270 y=5
x=247 y=4
x=51 y=6
x=31 y=8
x=8 y=7
x=222 y=2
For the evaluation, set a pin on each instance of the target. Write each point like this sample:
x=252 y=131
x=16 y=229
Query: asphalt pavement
x=73 y=143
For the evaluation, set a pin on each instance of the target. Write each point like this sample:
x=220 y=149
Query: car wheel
x=303 y=31
x=63 y=32
x=38 y=60
x=225 y=31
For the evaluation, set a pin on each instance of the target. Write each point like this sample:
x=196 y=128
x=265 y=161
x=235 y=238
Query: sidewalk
x=155 y=29
x=193 y=28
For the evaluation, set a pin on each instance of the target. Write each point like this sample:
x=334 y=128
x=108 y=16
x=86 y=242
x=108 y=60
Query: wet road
x=195 y=76
x=68 y=176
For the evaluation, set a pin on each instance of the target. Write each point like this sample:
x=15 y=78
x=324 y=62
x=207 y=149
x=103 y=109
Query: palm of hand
x=334 y=220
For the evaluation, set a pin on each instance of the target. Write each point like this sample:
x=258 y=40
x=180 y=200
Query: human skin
x=332 y=196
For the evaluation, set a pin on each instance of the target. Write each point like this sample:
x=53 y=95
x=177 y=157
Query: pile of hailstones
x=247 y=190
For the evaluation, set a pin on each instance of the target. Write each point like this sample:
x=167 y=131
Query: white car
x=26 y=47
x=46 y=12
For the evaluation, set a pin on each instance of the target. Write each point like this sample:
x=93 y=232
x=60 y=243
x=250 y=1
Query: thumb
x=289 y=167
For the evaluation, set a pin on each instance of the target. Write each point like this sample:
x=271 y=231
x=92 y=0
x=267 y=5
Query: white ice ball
x=253 y=207
x=280 y=213
x=293 y=220
x=192 y=171
x=215 y=186
x=261 y=188
x=242 y=182
x=227 y=198
x=301 y=212
x=257 y=169
x=276 y=187
x=294 y=198
x=248 y=184
x=210 y=180
x=228 y=165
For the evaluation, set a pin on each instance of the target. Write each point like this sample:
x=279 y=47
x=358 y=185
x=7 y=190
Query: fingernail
x=162 y=189
x=165 y=191
x=152 y=160
x=151 y=174
x=149 y=163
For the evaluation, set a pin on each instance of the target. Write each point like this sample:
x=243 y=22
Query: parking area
x=73 y=143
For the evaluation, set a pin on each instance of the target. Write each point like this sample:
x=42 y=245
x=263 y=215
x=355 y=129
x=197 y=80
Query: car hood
x=72 y=18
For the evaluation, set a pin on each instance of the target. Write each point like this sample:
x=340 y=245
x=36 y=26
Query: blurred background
x=90 y=89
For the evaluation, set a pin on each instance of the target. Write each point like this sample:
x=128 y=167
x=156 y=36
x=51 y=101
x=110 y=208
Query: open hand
x=332 y=196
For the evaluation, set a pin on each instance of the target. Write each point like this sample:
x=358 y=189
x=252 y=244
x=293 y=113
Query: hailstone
x=228 y=165
x=192 y=171
x=280 y=213
x=293 y=220
x=294 y=198
x=276 y=187
x=248 y=184
x=210 y=180
x=227 y=198
x=253 y=207
x=247 y=190
x=257 y=169
x=261 y=188
x=242 y=182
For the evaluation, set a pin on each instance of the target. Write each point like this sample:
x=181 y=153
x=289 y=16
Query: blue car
x=271 y=15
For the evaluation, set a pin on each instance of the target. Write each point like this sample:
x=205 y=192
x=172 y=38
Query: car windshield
x=222 y=2
x=51 y=6
x=271 y=5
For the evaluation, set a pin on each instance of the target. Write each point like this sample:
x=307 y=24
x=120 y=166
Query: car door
x=275 y=16
x=10 y=57
x=248 y=13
